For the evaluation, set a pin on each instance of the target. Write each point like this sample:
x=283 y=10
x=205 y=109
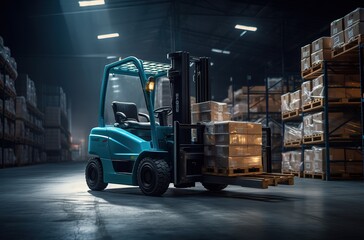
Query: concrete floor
x=52 y=201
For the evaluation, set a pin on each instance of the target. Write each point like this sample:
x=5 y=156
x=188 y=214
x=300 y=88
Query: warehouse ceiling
x=56 y=41
x=152 y=28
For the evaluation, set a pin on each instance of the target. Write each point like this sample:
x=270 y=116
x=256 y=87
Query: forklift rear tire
x=214 y=187
x=95 y=175
x=153 y=176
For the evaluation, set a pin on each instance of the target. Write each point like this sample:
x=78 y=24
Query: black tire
x=214 y=187
x=94 y=175
x=153 y=176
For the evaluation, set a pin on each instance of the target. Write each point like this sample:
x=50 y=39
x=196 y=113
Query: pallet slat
x=231 y=171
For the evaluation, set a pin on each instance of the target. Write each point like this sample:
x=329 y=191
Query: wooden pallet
x=294 y=173
x=232 y=171
x=291 y=114
x=307 y=174
x=347 y=49
x=315 y=138
x=315 y=104
x=313 y=72
x=296 y=143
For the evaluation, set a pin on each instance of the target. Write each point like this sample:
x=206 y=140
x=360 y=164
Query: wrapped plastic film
x=292 y=132
x=285 y=102
x=286 y=157
x=296 y=161
x=308 y=127
x=317 y=88
x=295 y=100
x=308 y=160
x=306 y=89
x=318 y=159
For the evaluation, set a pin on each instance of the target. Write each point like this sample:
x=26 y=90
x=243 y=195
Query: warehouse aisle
x=52 y=201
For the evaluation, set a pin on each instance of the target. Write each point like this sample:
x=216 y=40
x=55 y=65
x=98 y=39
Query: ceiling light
x=110 y=35
x=220 y=51
x=91 y=3
x=116 y=91
x=242 y=33
x=115 y=86
x=246 y=28
x=111 y=57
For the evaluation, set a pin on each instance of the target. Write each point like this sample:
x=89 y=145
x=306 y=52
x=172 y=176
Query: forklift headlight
x=150 y=84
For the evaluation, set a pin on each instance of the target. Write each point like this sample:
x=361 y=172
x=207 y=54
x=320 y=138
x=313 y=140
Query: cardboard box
x=319 y=56
x=321 y=43
x=209 y=106
x=306 y=51
x=292 y=133
x=353 y=31
x=338 y=40
x=237 y=139
x=295 y=98
x=353 y=17
x=238 y=127
x=238 y=150
x=209 y=116
x=306 y=89
x=336 y=26
x=305 y=64
x=239 y=162
x=285 y=102
x=308 y=127
x=354 y=167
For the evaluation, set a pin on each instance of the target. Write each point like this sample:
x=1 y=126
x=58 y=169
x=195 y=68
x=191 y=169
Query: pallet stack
x=230 y=148
x=8 y=75
x=29 y=123
x=331 y=89
x=56 y=124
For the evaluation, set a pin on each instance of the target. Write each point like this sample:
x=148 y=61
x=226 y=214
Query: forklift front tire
x=214 y=187
x=95 y=175
x=153 y=176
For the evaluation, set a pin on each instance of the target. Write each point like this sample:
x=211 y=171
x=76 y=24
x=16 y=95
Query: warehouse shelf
x=342 y=64
x=9 y=69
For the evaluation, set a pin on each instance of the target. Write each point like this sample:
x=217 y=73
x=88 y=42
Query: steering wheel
x=166 y=109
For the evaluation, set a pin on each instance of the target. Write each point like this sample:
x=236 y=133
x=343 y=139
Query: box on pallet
x=320 y=56
x=285 y=102
x=292 y=132
x=295 y=100
x=208 y=116
x=239 y=162
x=308 y=127
x=308 y=160
x=338 y=40
x=286 y=157
x=305 y=63
x=306 y=51
x=336 y=26
x=209 y=106
x=357 y=15
x=238 y=127
x=233 y=139
x=353 y=31
x=306 y=92
x=238 y=150
x=296 y=161
x=321 y=43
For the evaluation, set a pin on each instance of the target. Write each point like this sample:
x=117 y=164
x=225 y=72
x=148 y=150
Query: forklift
x=143 y=143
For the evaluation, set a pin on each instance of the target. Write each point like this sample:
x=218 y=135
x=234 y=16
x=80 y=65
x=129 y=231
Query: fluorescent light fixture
x=116 y=91
x=114 y=78
x=216 y=50
x=246 y=28
x=110 y=35
x=111 y=57
x=91 y=3
x=242 y=33
x=115 y=86
x=220 y=51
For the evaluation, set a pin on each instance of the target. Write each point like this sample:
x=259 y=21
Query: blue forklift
x=144 y=137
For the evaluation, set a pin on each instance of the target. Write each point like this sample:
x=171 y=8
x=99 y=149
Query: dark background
x=55 y=41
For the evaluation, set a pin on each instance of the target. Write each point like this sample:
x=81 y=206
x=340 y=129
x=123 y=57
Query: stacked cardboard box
x=292 y=132
x=337 y=33
x=291 y=161
x=209 y=111
x=354 y=24
x=321 y=50
x=232 y=144
x=305 y=57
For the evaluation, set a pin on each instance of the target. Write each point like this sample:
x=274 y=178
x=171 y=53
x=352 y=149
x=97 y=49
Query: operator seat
x=131 y=112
